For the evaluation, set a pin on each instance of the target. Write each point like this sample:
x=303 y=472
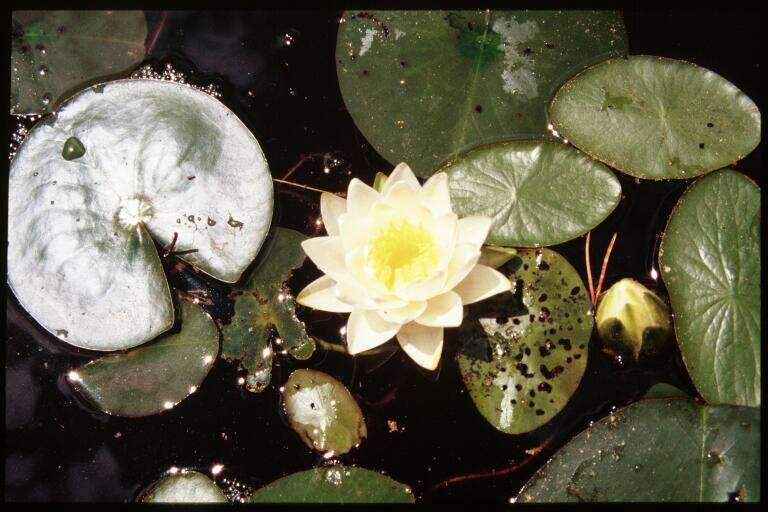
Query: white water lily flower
x=401 y=262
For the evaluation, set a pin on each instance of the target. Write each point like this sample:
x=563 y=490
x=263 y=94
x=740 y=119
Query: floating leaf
x=263 y=304
x=524 y=357
x=334 y=484
x=323 y=412
x=664 y=390
x=710 y=262
x=425 y=86
x=657 y=450
x=185 y=487
x=656 y=118
x=160 y=159
x=55 y=53
x=537 y=193
x=156 y=376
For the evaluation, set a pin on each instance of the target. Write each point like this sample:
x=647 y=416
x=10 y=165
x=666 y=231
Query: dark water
x=58 y=448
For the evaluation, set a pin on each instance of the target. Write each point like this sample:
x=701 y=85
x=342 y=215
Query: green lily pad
x=160 y=159
x=524 y=357
x=185 y=487
x=323 y=412
x=657 y=450
x=656 y=118
x=710 y=263
x=55 y=53
x=425 y=86
x=334 y=484
x=537 y=193
x=664 y=390
x=156 y=376
x=263 y=305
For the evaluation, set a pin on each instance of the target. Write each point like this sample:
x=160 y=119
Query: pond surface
x=276 y=71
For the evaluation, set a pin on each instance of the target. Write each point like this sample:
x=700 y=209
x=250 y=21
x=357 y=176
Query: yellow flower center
x=401 y=252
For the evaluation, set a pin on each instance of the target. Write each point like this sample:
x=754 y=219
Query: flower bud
x=632 y=320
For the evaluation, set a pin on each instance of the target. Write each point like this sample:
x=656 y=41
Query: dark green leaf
x=425 y=86
x=155 y=376
x=55 y=53
x=537 y=193
x=710 y=262
x=664 y=390
x=323 y=412
x=656 y=118
x=657 y=450
x=524 y=357
x=263 y=305
x=334 y=484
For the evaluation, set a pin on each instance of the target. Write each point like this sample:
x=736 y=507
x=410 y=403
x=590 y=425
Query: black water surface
x=276 y=71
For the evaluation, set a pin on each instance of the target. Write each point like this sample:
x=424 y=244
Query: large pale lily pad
x=55 y=53
x=710 y=263
x=656 y=118
x=152 y=158
x=185 y=487
x=657 y=450
x=156 y=376
x=323 y=412
x=537 y=193
x=264 y=307
x=334 y=484
x=425 y=86
x=524 y=357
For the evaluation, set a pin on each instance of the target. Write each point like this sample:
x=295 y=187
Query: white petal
x=354 y=230
x=321 y=294
x=367 y=330
x=327 y=252
x=435 y=195
x=474 y=230
x=360 y=198
x=482 y=283
x=443 y=311
x=403 y=196
x=404 y=314
x=401 y=174
x=423 y=344
x=351 y=292
x=464 y=258
x=422 y=289
x=445 y=231
x=331 y=207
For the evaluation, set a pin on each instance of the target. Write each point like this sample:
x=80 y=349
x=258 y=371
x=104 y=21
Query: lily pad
x=425 y=86
x=334 y=484
x=710 y=263
x=524 y=357
x=664 y=390
x=657 y=450
x=185 y=487
x=264 y=307
x=161 y=159
x=55 y=53
x=156 y=376
x=656 y=118
x=323 y=412
x=537 y=193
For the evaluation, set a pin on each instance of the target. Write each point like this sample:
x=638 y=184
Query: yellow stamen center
x=401 y=252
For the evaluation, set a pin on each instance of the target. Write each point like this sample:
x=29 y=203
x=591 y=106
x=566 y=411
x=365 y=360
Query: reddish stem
x=156 y=35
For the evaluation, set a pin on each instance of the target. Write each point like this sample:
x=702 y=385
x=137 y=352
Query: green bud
x=379 y=181
x=632 y=320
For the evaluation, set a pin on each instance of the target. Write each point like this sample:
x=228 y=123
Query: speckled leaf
x=425 y=86
x=657 y=450
x=537 y=193
x=524 y=355
x=664 y=390
x=185 y=487
x=323 y=412
x=710 y=263
x=334 y=484
x=55 y=53
x=156 y=376
x=656 y=118
x=264 y=307
x=160 y=158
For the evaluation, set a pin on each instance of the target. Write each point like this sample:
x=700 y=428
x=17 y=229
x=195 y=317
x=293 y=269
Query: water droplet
x=42 y=71
x=72 y=149
x=46 y=99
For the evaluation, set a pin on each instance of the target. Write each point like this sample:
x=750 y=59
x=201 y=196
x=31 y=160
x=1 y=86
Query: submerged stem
x=604 y=267
x=305 y=187
x=589 y=269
